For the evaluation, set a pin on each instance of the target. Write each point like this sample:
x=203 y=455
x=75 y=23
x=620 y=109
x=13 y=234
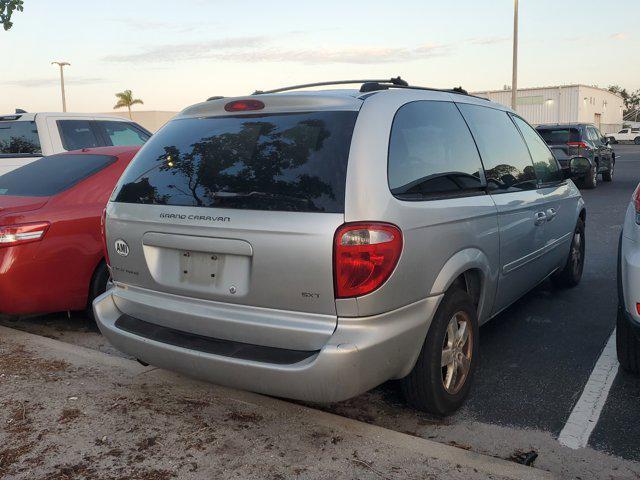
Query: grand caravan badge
x=121 y=247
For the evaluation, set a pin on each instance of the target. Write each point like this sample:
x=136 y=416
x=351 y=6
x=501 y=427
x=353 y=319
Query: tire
x=591 y=180
x=636 y=140
x=608 y=175
x=98 y=286
x=571 y=273
x=627 y=343
x=424 y=388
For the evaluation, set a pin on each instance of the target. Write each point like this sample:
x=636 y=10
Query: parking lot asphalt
x=536 y=358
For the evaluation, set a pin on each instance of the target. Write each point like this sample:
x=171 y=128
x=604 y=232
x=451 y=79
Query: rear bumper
x=629 y=278
x=361 y=354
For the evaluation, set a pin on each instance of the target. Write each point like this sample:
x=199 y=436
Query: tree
x=125 y=99
x=631 y=100
x=7 y=7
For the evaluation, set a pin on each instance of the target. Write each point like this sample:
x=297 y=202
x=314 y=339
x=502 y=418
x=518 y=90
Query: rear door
x=239 y=209
x=559 y=199
x=71 y=133
x=512 y=183
x=601 y=151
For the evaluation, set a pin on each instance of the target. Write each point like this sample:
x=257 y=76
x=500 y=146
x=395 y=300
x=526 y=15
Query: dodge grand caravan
x=314 y=244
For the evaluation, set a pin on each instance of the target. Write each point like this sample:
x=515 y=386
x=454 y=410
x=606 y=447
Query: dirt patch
x=146 y=443
x=10 y=456
x=244 y=417
x=69 y=415
x=17 y=361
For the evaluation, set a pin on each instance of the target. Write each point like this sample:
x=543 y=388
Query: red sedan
x=51 y=255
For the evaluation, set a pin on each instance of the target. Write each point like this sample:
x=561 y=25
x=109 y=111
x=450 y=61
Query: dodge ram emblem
x=121 y=247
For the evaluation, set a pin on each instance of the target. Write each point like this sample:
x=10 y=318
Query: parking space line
x=586 y=413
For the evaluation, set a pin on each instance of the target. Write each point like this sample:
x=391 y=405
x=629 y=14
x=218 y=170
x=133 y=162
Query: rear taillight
x=244 y=105
x=13 y=235
x=364 y=256
x=577 y=144
x=103 y=234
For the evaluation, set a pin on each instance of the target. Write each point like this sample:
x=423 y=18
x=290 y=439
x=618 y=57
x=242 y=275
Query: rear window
x=19 y=138
x=53 y=174
x=286 y=162
x=558 y=136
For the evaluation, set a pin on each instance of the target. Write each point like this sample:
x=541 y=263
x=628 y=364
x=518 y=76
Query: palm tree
x=125 y=99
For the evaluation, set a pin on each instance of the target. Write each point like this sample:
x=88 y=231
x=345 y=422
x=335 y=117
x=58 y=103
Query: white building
x=565 y=103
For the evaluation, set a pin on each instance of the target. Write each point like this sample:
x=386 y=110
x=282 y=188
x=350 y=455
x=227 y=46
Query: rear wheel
x=608 y=175
x=442 y=376
x=591 y=180
x=98 y=286
x=571 y=273
x=636 y=140
x=627 y=343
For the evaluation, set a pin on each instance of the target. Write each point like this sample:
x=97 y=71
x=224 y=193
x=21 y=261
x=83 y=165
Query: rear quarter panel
x=440 y=236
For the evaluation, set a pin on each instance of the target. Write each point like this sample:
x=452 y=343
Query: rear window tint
x=78 y=134
x=19 y=138
x=287 y=162
x=51 y=175
x=431 y=152
x=558 y=136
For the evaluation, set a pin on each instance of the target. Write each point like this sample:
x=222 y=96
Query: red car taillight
x=103 y=234
x=577 y=144
x=364 y=256
x=13 y=235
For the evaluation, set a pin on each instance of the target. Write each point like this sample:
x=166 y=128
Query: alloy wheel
x=457 y=351
x=577 y=253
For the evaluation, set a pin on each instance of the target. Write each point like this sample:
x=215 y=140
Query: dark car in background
x=572 y=140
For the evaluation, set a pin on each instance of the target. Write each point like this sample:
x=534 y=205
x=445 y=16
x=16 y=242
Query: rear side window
x=289 y=162
x=431 y=152
x=122 y=133
x=19 y=138
x=53 y=174
x=78 y=134
x=505 y=156
x=544 y=163
x=559 y=136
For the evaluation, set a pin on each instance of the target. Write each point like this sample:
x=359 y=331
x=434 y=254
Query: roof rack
x=372 y=86
x=392 y=81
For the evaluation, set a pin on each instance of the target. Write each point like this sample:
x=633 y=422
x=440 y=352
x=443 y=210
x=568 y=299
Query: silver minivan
x=315 y=244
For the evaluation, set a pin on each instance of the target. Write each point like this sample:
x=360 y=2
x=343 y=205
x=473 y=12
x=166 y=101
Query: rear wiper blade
x=278 y=196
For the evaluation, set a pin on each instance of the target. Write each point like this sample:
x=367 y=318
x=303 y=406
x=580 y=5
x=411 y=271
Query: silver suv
x=314 y=244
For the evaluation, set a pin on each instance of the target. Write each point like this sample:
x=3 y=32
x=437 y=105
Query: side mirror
x=605 y=140
x=579 y=167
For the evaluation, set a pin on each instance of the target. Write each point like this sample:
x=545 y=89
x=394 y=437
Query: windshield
x=19 y=138
x=291 y=162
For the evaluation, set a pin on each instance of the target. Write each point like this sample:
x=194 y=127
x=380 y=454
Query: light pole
x=62 y=65
x=514 y=80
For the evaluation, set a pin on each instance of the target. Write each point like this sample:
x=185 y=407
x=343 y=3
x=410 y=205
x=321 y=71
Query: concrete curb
x=427 y=448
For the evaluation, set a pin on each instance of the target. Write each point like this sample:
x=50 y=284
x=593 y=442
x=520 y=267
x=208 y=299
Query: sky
x=174 y=54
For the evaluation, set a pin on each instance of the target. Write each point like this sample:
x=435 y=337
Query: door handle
x=540 y=218
x=551 y=214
